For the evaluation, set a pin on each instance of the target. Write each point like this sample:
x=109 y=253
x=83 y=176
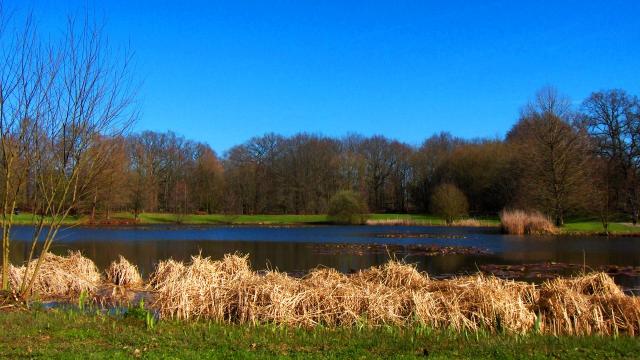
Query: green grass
x=151 y=218
x=575 y=226
x=70 y=334
x=596 y=227
x=28 y=219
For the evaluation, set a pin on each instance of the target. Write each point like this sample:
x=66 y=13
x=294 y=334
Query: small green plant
x=82 y=299
x=141 y=313
x=150 y=320
x=536 y=324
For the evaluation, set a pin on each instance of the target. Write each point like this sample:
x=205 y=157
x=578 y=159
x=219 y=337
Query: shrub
x=347 y=207
x=519 y=222
x=449 y=202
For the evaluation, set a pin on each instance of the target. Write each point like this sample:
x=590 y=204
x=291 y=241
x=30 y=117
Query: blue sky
x=222 y=72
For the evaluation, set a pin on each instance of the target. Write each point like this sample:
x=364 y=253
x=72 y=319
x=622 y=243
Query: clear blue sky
x=222 y=72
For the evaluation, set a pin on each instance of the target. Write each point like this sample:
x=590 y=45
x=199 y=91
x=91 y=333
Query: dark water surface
x=294 y=249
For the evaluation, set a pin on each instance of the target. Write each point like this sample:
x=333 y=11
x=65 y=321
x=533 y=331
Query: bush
x=347 y=207
x=449 y=203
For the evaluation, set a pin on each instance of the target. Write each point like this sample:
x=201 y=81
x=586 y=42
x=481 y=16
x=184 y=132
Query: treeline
x=558 y=159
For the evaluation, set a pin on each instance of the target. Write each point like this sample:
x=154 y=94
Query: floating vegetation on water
x=551 y=270
x=419 y=236
x=396 y=249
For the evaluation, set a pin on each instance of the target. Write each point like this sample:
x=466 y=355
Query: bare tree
x=24 y=82
x=90 y=95
x=613 y=120
x=552 y=153
x=430 y=167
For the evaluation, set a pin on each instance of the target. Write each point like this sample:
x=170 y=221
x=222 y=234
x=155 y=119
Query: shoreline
x=126 y=220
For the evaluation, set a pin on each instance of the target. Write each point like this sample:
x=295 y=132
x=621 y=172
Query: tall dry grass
x=470 y=222
x=519 y=222
x=395 y=293
x=590 y=304
x=398 y=222
x=59 y=276
x=123 y=273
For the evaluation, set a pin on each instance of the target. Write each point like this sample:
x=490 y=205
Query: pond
x=350 y=248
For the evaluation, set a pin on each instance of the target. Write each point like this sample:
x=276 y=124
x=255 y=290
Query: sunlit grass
x=67 y=333
x=571 y=226
x=596 y=227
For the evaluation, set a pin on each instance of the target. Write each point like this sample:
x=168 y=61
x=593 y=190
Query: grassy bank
x=576 y=226
x=217 y=219
x=70 y=333
x=591 y=227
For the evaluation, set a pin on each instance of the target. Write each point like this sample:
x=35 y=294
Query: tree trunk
x=93 y=206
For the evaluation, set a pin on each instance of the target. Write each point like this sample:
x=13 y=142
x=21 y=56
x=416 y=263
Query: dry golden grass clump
x=518 y=222
x=618 y=314
x=394 y=274
x=273 y=297
x=475 y=302
x=396 y=222
x=588 y=304
x=374 y=297
x=395 y=293
x=329 y=297
x=59 y=276
x=123 y=273
x=203 y=288
x=467 y=222
x=166 y=270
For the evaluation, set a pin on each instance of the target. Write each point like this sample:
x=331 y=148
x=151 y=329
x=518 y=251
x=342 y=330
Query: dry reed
x=59 y=276
x=518 y=222
x=123 y=273
x=398 y=222
x=589 y=304
x=467 y=222
x=394 y=293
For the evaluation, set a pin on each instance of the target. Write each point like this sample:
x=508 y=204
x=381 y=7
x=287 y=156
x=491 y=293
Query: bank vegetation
x=394 y=294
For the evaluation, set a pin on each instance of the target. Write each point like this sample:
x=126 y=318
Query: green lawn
x=27 y=219
x=576 y=226
x=70 y=334
x=596 y=227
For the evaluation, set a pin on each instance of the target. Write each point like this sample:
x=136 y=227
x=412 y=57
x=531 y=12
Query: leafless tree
x=552 y=154
x=25 y=79
x=613 y=120
x=80 y=93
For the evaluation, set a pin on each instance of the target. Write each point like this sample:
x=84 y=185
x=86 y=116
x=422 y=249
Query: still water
x=295 y=249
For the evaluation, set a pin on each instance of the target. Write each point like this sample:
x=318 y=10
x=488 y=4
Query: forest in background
x=560 y=159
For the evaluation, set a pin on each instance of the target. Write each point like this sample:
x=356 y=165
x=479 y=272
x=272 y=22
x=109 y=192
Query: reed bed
x=123 y=273
x=398 y=222
x=519 y=222
x=467 y=222
x=228 y=290
x=589 y=304
x=59 y=276
x=392 y=294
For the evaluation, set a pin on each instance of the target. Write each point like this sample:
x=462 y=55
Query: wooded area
x=560 y=160
x=66 y=106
